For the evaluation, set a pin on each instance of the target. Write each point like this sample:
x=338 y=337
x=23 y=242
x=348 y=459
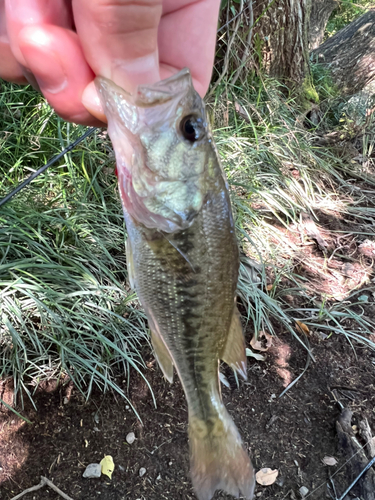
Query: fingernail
x=30 y=78
x=128 y=74
x=31 y=11
x=44 y=64
x=91 y=101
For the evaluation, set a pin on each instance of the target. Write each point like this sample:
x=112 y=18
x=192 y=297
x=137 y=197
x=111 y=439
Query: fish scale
x=182 y=257
x=202 y=295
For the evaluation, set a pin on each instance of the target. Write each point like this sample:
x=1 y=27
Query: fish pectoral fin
x=130 y=263
x=162 y=355
x=234 y=352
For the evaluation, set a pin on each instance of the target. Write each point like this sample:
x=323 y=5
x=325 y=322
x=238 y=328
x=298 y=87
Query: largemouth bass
x=182 y=259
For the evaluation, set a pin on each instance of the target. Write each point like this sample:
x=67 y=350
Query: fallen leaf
x=329 y=461
x=262 y=343
x=302 y=327
x=251 y=354
x=107 y=466
x=266 y=476
x=241 y=111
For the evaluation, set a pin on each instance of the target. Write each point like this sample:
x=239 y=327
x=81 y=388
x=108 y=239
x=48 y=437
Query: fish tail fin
x=218 y=460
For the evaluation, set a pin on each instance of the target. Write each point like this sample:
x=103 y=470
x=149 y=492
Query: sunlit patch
x=14 y=451
x=285 y=375
x=326 y=261
x=282 y=353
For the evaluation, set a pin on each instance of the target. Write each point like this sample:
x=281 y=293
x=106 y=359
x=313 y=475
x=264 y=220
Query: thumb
x=119 y=39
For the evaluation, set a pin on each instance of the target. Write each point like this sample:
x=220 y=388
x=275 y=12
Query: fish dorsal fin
x=234 y=352
x=162 y=354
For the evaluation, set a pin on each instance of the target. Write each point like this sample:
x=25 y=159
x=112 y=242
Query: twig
x=368 y=466
x=365 y=431
x=347 y=388
x=337 y=399
x=55 y=488
x=233 y=19
x=44 y=481
x=247 y=46
x=227 y=54
x=29 y=490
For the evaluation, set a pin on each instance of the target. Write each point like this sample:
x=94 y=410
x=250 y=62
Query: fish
x=183 y=261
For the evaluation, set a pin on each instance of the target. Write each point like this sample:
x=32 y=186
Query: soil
x=292 y=433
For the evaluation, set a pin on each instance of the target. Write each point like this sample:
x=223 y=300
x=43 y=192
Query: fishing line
x=48 y=164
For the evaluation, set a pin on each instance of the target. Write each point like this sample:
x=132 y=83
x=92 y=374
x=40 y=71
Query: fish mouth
x=148 y=104
x=165 y=90
x=149 y=95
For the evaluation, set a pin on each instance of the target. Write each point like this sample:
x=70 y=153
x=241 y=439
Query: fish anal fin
x=162 y=355
x=234 y=352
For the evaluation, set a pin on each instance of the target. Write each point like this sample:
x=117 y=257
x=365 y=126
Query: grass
x=277 y=173
x=66 y=310
x=345 y=13
x=64 y=304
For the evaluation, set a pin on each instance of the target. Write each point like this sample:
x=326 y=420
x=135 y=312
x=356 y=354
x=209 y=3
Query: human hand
x=65 y=43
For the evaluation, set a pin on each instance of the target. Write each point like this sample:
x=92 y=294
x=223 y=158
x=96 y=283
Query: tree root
x=44 y=481
x=359 y=469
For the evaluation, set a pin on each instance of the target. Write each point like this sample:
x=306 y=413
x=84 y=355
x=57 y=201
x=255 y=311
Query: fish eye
x=192 y=128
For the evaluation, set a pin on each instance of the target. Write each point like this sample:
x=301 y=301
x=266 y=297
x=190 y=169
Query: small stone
x=92 y=470
x=130 y=438
x=158 y=478
x=142 y=471
x=303 y=491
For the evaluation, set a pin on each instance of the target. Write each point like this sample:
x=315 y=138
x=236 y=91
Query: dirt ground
x=292 y=433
